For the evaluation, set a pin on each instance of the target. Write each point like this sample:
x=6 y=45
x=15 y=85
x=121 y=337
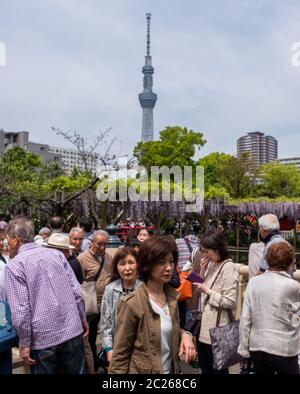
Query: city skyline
x=221 y=69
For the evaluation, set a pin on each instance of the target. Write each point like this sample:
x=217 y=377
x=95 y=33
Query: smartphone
x=195 y=278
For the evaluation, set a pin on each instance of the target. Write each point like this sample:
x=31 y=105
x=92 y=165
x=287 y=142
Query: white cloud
x=221 y=68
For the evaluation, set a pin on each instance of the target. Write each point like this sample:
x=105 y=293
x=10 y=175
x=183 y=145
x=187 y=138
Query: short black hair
x=132 y=242
x=56 y=222
x=215 y=240
x=87 y=224
x=152 y=251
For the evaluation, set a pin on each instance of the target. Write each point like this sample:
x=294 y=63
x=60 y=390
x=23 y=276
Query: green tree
x=237 y=177
x=280 y=180
x=176 y=147
x=24 y=176
x=212 y=164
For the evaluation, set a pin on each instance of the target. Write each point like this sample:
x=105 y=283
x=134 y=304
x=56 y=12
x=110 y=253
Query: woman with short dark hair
x=148 y=338
x=269 y=325
x=218 y=292
x=124 y=281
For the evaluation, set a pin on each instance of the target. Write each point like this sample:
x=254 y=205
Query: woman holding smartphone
x=219 y=290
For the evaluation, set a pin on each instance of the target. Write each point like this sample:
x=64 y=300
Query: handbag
x=225 y=342
x=185 y=288
x=195 y=327
x=89 y=294
x=8 y=334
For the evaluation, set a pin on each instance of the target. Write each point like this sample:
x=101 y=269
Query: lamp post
x=113 y=240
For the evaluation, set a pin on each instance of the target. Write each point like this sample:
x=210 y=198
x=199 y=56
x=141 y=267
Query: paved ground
x=187 y=369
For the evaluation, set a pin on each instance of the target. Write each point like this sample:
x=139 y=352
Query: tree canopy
x=176 y=147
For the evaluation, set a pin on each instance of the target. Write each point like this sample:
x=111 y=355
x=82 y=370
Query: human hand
x=203 y=266
x=203 y=289
x=187 y=348
x=109 y=355
x=85 y=327
x=25 y=355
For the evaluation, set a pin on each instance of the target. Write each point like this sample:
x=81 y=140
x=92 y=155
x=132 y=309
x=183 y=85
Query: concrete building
x=13 y=139
x=262 y=148
x=66 y=158
x=148 y=98
x=291 y=160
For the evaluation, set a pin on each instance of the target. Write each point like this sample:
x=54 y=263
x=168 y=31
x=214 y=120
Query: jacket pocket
x=138 y=367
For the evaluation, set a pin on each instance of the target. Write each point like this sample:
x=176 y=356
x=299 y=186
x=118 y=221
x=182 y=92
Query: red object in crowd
x=122 y=232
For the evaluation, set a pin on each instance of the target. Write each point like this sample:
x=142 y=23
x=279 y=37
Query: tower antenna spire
x=148 y=33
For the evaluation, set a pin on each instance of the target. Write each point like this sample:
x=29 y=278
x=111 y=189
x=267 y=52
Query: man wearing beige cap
x=61 y=242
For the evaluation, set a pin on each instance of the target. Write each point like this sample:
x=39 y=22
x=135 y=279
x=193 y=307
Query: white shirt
x=270 y=317
x=166 y=336
x=256 y=251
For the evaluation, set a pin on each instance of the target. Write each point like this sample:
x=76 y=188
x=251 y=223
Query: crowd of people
x=138 y=321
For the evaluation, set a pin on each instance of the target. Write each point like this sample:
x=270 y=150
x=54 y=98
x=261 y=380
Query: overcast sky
x=222 y=67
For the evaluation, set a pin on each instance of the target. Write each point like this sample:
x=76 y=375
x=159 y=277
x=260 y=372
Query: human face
x=98 y=246
x=13 y=245
x=163 y=271
x=143 y=235
x=211 y=254
x=263 y=233
x=76 y=240
x=127 y=268
x=44 y=235
x=2 y=241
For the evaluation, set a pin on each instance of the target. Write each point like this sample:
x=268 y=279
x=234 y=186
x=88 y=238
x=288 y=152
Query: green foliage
x=280 y=180
x=216 y=192
x=176 y=146
x=66 y=183
x=21 y=174
x=212 y=164
x=236 y=177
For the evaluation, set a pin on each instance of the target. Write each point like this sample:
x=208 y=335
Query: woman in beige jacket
x=219 y=290
x=148 y=338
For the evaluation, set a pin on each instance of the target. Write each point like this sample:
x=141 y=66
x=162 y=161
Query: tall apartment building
x=291 y=160
x=262 y=148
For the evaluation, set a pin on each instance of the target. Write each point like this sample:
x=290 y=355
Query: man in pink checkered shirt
x=46 y=304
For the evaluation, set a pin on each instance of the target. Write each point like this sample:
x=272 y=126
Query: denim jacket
x=111 y=299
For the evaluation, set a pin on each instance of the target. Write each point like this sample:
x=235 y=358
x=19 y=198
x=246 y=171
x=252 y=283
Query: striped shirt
x=44 y=297
x=184 y=254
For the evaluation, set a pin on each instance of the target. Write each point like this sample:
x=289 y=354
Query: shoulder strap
x=2 y=258
x=214 y=281
x=188 y=244
x=220 y=269
x=194 y=251
x=100 y=270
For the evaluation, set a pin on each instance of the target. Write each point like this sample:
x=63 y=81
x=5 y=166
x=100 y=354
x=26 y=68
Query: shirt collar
x=28 y=246
x=282 y=273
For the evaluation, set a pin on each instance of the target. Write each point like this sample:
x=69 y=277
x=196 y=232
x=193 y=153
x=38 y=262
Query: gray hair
x=21 y=227
x=99 y=232
x=269 y=222
x=75 y=230
x=44 y=230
